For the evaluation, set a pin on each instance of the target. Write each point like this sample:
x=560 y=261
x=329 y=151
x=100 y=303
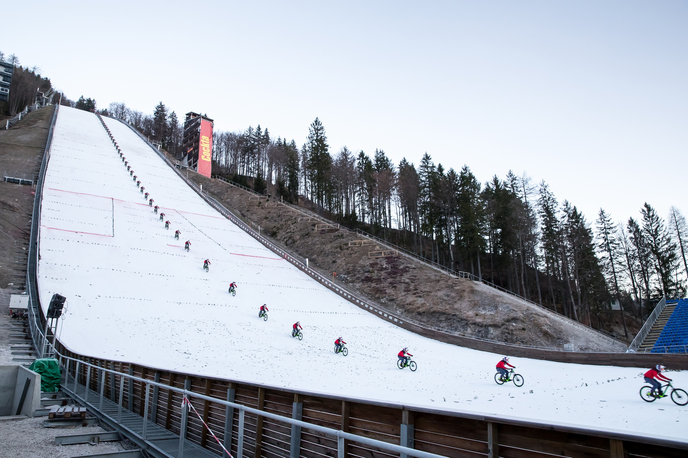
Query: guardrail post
x=102 y=389
x=259 y=422
x=130 y=404
x=296 y=414
x=88 y=382
x=182 y=427
x=492 y=440
x=406 y=439
x=154 y=407
x=113 y=393
x=76 y=375
x=342 y=446
x=229 y=417
x=240 y=439
x=121 y=398
x=145 y=412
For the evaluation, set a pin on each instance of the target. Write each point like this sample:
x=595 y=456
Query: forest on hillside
x=509 y=231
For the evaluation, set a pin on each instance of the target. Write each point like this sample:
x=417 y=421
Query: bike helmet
x=660 y=368
x=405 y=349
x=505 y=359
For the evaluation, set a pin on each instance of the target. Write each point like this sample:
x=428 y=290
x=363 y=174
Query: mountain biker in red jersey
x=502 y=369
x=167 y=224
x=177 y=233
x=155 y=209
x=162 y=216
x=263 y=309
x=652 y=376
x=295 y=328
x=187 y=245
x=233 y=287
x=206 y=264
x=403 y=356
x=339 y=343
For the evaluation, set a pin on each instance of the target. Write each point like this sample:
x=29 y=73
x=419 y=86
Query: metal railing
x=97 y=405
x=640 y=337
x=35 y=322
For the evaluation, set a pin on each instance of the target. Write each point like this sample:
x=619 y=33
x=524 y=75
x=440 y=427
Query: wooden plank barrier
x=452 y=434
x=382 y=253
x=326 y=226
x=362 y=242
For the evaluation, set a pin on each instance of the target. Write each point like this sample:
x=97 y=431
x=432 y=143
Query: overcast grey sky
x=590 y=96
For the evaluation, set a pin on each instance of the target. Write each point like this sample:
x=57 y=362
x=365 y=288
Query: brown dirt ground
x=406 y=286
x=21 y=152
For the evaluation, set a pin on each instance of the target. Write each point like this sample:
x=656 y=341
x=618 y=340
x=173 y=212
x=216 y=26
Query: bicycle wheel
x=645 y=394
x=233 y=293
x=400 y=364
x=413 y=366
x=345 y=351
x=518 y=380
x=265 y=317
x=498 y=379
x=679 y=396
x=300 y=336
x=335 y=350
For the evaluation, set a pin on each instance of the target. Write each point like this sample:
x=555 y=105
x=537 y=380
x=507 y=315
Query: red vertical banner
x=205 y=148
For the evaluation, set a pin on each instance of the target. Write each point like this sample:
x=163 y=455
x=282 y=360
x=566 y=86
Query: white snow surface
x=133 y=294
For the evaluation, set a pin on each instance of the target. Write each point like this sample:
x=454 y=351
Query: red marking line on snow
x=176 y=246
x=85 y=194
x=200 y=214
x=254 y=256
x=77 y=232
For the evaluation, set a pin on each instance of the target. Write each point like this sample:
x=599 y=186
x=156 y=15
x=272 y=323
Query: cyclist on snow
x=233 y=287
x=339 y=343
x=150 y=203
x=263 y=310
x=155 y=209
x=187 y=245
x=177 y=233
x=502 y=369
x=296 y=327
x=652 y=376
x=167 y=224
x=162 y=216
x=403 y=356
x=206 y=264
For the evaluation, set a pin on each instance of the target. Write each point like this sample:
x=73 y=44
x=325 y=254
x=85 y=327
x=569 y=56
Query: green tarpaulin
x=49 y=369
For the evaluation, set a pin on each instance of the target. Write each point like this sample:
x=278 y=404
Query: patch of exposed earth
x=406 y=286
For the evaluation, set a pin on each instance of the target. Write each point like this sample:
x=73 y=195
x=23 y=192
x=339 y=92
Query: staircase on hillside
x=657 y=328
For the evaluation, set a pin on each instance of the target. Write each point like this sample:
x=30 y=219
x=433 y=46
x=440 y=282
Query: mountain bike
x=343 y=350
x=262 y=314
x=407 y=363
x=232 y=291
x=678 y=395
x=206 y=267
x=298 y=334
x=510 y=377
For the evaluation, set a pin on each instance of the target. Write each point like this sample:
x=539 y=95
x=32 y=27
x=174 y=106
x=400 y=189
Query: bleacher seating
x=674 y=336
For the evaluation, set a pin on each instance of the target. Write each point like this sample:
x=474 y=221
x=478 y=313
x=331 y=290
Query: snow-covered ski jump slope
x=135 y=295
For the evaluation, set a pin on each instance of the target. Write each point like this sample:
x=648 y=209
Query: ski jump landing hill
x=134 y=295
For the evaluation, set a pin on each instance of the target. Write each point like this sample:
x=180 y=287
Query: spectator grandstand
x=674 y=335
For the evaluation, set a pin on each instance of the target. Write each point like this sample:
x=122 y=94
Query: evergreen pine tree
x=609 y=249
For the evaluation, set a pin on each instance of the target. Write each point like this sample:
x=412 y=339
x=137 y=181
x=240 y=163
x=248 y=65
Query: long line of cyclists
x=505 y=370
